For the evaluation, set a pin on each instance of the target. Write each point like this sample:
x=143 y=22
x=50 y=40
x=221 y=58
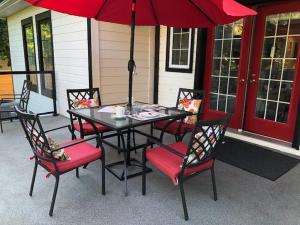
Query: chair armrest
x=156 y=141
x=76 y=143
x=57 y=128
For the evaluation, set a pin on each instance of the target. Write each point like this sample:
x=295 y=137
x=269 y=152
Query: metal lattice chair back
x=75 y=95
x=206 y=137
x=186 y=95
x=35 y=134
x=24 y=98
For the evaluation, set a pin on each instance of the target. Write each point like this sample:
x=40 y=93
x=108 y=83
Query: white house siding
x=70 y=55
x=111 y=43
x=170 y=82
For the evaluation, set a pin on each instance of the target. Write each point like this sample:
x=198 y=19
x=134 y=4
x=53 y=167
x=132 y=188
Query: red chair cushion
x=170 y=164
x=173 y=127
x=80 y=155
x=88 y=128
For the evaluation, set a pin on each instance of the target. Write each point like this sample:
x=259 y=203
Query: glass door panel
x=226 y=58
x=277 y=68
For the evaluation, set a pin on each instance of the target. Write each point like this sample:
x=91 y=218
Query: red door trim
x=284 y=131
x=237 y=117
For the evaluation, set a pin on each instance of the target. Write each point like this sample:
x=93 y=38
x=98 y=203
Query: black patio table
x=126 y=126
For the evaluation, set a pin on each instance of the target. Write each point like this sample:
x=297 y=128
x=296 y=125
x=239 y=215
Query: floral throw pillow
x=190 y=105
x=198 y=148
x=59 y=154
x=39 y=141
x=85 y=103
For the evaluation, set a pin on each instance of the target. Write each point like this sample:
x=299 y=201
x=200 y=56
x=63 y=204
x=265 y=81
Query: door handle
x=252 y=81
x=242 y=81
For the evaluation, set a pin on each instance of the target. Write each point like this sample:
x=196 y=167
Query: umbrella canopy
x=172 y=13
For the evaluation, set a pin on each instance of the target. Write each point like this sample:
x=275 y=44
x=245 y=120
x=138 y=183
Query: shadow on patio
x=243 y=198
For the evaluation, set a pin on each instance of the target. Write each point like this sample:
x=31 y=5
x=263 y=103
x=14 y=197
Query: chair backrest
x=25 y=94
x=35 y=134
x=205 y=138
x=76 y=95
x=191 y=100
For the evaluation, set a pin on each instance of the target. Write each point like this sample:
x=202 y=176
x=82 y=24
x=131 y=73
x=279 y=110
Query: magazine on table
x=147 y=115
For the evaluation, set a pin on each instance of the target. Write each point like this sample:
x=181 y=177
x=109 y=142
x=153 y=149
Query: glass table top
x=103 y=116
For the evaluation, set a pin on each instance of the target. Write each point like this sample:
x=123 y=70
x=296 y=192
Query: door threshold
x=267 y=142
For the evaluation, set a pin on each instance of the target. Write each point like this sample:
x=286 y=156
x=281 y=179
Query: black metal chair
x=7 y=104
x=181 y=127
x=75 y=97
x=80 y=152
x=180 y=161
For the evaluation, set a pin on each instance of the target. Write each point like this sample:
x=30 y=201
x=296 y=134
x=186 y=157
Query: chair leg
x=73 y=136
x=103 y=173
x=133 y=139
x=1 y=126
x=186 y=216
x=33 y=178
x=77 y=172
x=54 y=195
x=212 y=170
x=144 y=173
x=151 y=132
x=119 y=144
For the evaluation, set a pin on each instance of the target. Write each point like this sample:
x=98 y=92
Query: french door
x=273 y=88
x=263 y=94
x=225 y=75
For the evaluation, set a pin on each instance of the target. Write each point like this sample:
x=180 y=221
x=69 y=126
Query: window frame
x=24 y=23
x=169 y=46
x=38 y=19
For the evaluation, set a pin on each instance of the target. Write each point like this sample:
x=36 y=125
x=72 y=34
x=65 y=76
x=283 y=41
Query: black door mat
x=255 y=159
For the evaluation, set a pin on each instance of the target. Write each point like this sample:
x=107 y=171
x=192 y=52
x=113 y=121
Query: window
x=29 y=51
x=180 y=44
x=45 y=46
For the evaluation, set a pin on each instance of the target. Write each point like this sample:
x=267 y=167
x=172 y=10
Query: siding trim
x=156 y=64
x=90 y=55
x=200 y=59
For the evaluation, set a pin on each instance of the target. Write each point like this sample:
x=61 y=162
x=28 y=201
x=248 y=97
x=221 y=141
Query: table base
x=134 y=168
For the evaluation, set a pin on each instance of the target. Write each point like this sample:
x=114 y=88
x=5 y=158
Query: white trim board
x=272 y=144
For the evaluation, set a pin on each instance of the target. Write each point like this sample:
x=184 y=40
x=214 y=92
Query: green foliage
x=4 y=43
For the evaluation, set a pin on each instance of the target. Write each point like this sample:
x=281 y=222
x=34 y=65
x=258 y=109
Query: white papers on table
x=108 y=109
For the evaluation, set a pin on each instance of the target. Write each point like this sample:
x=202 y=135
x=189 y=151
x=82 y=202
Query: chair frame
x=85 y=93
x=186 y=93
x=31 y=124
x=23 y=101
x=211 y=156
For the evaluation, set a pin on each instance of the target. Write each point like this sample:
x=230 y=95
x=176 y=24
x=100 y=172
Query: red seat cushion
x=88 y=128
x=80 y=154
x=173 y=127
x=170 y=164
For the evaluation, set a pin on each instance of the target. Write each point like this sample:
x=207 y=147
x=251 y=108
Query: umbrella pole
x=131 y=63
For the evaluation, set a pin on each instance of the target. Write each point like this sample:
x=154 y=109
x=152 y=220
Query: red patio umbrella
x=172 y=13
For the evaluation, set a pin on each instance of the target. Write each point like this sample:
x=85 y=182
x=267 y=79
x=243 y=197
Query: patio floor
x=244 y=198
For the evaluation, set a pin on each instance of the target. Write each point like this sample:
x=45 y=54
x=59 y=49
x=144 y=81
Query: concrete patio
x=244 y=198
